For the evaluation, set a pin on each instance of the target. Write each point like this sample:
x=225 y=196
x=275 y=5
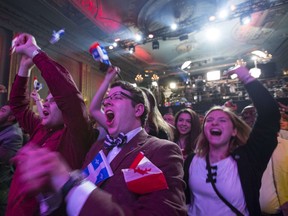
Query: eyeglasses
x=116 y=96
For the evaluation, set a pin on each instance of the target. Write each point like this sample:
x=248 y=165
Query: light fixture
x=155 y=44
x=138 y=37
x=174 y=26
x=186 y=64
x=261 y=57
x=245 y=19
x=255 y=72
x=172 y=85
x=139 y=78
x=150 y=36
x=212 y=18
x=212 y=34
x=223 y=14
x=155 y=77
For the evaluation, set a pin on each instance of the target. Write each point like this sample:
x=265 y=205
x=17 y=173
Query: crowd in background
x=198 y=159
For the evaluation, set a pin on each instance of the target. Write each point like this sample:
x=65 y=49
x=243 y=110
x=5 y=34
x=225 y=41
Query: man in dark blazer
x=126 y=111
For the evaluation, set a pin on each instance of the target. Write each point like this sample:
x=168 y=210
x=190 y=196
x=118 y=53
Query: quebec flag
x=99 y=169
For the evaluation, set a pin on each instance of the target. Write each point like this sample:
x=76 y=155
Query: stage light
x=155 y=44
x=138 y=37
x=150 y=36
x=245 y=19
x=174 y=26
x=173 y=85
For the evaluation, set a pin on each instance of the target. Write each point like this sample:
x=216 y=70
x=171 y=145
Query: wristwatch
x=76 y=178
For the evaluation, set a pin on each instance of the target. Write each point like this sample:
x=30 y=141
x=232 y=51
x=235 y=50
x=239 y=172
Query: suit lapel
x=129 y=148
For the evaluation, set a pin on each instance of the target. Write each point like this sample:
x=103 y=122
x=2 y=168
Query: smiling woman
x=187 y=129
x=238 y=157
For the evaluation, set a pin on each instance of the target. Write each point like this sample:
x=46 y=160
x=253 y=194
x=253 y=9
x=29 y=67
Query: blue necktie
x=110 y=142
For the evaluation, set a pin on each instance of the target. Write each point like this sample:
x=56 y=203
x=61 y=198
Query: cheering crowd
x=139 y=164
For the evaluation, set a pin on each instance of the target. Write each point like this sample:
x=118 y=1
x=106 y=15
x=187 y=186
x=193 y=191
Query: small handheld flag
x=56 y=36
x=100 y=54
x=37 y=85
x=143 y=176
x=99 y=169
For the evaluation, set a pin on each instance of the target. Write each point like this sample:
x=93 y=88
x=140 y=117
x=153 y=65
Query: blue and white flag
x=99 y=169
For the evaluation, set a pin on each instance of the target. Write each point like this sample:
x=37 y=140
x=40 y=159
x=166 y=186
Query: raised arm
x=19 y=96
x=38 y=101
x=96 y=104
x=62 y=87
x=263 y=137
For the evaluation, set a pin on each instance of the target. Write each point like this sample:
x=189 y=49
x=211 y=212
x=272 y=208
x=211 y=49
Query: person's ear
x=234 y=133
x=139 y=109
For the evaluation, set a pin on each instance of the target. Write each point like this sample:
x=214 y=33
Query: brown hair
x=155 y=119
x=195 y=129
x=243 y=131
x=137 y=96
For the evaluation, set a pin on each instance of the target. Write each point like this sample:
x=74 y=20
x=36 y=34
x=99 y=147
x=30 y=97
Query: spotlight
x=155 y=44
x=245 y=19
x=150 y=36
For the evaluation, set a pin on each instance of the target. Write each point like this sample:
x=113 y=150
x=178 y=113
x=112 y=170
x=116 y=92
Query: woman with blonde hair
x=224 y=175
x=155 y=124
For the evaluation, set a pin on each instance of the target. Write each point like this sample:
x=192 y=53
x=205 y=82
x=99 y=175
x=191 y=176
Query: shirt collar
x=133 y=133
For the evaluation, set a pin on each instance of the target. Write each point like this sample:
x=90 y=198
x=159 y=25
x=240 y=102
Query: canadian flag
x=143 y=176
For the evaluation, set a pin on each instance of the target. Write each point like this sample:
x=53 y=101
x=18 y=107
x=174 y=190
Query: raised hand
x=40 y=170
x=25 y=44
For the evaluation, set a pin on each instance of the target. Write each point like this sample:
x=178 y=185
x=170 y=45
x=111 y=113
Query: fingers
x=36 y=166
x=113 y=70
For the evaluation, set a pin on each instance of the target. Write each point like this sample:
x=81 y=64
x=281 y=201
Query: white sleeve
x=77 y=197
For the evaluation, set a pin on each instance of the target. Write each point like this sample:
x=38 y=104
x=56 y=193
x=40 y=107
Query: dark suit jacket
x=112 y=196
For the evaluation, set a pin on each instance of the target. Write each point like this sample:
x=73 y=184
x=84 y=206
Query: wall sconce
x=155 y=77
x=139 y=78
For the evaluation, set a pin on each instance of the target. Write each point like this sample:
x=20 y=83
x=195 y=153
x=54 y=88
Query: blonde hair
x=155 y=120
x=243 y=131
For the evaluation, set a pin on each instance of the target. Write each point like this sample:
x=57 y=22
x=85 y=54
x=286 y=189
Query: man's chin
x=111 y=131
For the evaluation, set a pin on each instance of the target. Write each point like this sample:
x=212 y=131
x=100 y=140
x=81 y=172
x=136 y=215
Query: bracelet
x=76 y=178
x=36 y=52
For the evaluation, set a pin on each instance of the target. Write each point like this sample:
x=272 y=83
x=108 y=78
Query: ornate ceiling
x=87 y=21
